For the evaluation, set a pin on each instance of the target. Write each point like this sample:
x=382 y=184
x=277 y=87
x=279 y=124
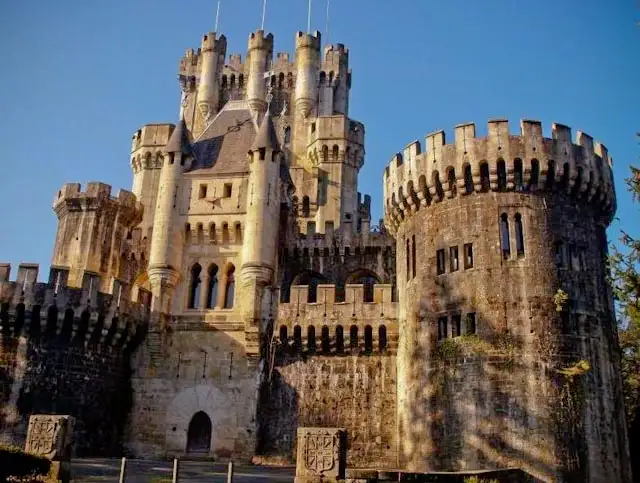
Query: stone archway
x=199 y=434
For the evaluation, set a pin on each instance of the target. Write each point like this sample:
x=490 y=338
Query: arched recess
x=199 y=434
x=312 y=279
x=366 y=278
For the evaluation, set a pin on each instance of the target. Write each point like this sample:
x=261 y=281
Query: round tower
x=338 y=76
x=259 y=55
x=307 y=63
x=212 y=55
x=508 y=345
x=166 y=241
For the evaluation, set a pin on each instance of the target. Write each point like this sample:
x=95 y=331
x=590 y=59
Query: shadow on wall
x=500 y=398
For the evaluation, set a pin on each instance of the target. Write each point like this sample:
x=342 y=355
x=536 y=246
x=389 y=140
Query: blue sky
x=79 y=77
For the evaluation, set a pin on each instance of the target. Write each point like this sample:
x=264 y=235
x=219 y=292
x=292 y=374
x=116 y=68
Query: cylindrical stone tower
x=508 y=352
x=307 y=66
x=259 y=55
x=212 y=56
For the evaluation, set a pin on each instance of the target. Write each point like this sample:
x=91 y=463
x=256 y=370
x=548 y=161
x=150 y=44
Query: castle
x=240 y=290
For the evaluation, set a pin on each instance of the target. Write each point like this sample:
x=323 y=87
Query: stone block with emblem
x=52 y=437
x=321 y=454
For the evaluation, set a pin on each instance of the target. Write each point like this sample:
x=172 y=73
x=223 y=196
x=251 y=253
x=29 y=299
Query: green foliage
x=475 y=479
x=560 y=299
x=624 y=264
x=14 y=462
x=578 y=369
x=465 y=345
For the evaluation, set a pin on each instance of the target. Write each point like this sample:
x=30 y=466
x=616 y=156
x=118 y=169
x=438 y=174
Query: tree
x=625 y=274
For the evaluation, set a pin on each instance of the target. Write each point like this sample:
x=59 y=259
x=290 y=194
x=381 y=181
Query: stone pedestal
x=52 y=437
x=321 y=455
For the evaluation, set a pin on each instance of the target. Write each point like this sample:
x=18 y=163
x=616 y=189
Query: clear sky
x=79 y=77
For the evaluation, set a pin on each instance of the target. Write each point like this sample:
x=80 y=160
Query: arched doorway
x=199 y=434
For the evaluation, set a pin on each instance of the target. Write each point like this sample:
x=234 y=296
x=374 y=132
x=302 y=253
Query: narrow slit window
x=558 y=248
x=408 y=260
x=505 y=243
x=535 y=174
x=382 y=338
x=440 y=261
x=353 y=337
x=339 y=339
x=519 y=235
x=471 y=323
x=517 y=174
x=194 y=290
x=485 y=182
x=297 y=338
x=502 y=176
x=368 y=339
x=326 y=345
x=311 y=338
x=468 y=255
x=413 y=255
x=468 y=179
x=454 y=262
x=442 y=328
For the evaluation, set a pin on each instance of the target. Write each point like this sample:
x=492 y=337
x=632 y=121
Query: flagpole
x=327 y=29
x=264 y=11
x=217 y=16
x=309 y=19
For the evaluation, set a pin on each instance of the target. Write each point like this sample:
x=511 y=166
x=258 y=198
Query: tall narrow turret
x=259 y=55
x=307 y=63
x=166 y=243
x=212 y=54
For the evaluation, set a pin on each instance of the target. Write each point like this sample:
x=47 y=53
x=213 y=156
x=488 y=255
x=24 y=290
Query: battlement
x=97 y=194
x=152 y=136
x=282 y=59
x=308 y=41
x=335 y=57
x=211 y=43
x=500 y=161
x=258 y=40
x=328 y=128
x=342 y=241
x=83 y=316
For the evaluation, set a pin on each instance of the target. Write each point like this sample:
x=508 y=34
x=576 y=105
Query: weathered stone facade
x=266 y=301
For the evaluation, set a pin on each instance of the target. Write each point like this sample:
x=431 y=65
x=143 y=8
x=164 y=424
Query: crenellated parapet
x=71 y=198
x=365 y=319
x=84 y=317
x=147 y=145
x=336 y=139
x=527 y=162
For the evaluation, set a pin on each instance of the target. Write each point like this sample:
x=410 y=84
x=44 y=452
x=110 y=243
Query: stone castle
x=240 y=290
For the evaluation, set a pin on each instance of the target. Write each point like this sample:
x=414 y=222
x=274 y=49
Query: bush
x=14 y=462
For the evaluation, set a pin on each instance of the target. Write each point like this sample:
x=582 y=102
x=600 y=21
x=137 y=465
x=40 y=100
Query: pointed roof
x=266 y=137
x=179 y=140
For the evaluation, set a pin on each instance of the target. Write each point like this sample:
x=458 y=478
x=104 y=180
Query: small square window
x=440 y=261
x=203 y=191
x=454 y=263
x=468 y=255
x=227 y=190
x=311 y=228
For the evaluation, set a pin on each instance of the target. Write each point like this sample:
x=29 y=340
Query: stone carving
x=50 y=436
x=320 y=454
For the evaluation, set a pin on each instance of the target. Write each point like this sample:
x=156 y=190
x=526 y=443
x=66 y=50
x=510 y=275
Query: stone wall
x=188 y=369
x=357 y=393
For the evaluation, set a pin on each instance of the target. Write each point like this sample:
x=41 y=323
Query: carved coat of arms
x=48 y=435
x=321 y=451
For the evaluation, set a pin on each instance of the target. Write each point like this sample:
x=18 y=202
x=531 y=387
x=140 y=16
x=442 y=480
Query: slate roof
x=266 y=137
x=179 y=140
x=224 y=145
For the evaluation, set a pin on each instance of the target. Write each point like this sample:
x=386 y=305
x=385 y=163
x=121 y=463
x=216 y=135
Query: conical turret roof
x=179 y=140
x=266 y=136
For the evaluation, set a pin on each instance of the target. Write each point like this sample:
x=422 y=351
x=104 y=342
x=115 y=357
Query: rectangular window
x=442 y=328
x=311 y=228
x=454 y=262
x=328 y=227
x=228 y=187
x=408 y=257
x=440 y=261
x=456 y=325
x=413 y=254
x=468 y=255
x=203 y=191
x=470 y=323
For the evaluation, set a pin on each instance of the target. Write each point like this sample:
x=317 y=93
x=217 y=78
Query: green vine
x=560 y=299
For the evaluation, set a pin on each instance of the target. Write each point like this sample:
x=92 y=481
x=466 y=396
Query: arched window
x=336 y=153
x=519 y=236
x=451 y=178
x=224 y=81
x=187 y=232
x=212 y=233
x=283 y=335
x=366 y=278
x=238 y=233
x=339 y=339
x=212 y=289
x=241 y=81
x=353 y=337
x=551 y=176
x=232 y=82
x=382 y=338
x=565 y=175
x=502 y=175
x=230 y=288
x=194 y=287
x=297 y=338
x=311 y=338
x=505 y=243
x=225 y=233
x=306 y=206
x=485 y=182
x=326 y=345
x=287 y=135
x=368 y=339
x=289 y=80
x=535 y=174
x=281 y=80
x=517 y=174
x=468 y=179
x=199 y=434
